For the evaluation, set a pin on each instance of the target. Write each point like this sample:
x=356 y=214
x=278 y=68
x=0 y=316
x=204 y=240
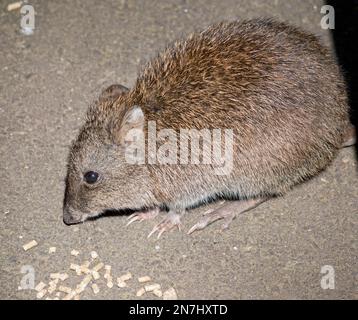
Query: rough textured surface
x=47 y=81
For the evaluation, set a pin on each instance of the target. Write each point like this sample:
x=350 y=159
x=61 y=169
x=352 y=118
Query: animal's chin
x=90 y=216
x=106 y=212
x=70 y=221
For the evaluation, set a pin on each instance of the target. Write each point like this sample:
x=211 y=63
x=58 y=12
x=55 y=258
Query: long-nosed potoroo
x=241 y=111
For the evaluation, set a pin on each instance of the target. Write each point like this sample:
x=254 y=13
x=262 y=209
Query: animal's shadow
x=112 y=213
x=128 y=212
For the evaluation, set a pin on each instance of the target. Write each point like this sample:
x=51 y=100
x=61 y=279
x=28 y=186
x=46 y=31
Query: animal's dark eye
x=91 y=177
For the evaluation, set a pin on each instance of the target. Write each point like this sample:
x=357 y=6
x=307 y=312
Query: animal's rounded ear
x=113 y=92
x=132 y=123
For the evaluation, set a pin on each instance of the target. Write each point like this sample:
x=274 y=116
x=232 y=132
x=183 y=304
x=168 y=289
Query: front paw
x=171 y=221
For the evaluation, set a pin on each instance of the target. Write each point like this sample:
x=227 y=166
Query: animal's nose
x=68 y=217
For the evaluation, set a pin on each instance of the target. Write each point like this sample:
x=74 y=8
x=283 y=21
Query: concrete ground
x=47 y=81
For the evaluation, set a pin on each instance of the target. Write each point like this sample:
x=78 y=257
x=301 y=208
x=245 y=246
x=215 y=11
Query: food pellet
x=51 y=289
x=53 y=282
x=84 y=269
x=110 y=284
x=64 y=289
x=87 y=279
x=170 y=294
x=75 y=253
x=98 y=267
x=140 y=292
x=59 y=276
x=108 y=271
x=14 y=6
x=63 y=276
x=55 y=275
x=79 y=289
x=30 y=245
x=152 y=287
x=84 y=283
x=126 y=276
x=69 y=296
x=95 y=288
x=144 y=279
x=95 y=275
x=74 y=267
x=120 y=283
x=40 y=286
x=52 y=250
x=158 y=293
x=94 y=255
x=41 y=294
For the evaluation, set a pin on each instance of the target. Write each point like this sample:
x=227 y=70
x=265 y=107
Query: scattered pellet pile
x=90 y=271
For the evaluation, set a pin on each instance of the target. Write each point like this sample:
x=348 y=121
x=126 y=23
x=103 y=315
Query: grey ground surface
x=47 y=81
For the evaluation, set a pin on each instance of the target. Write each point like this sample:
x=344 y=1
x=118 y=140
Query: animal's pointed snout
x=69 y=218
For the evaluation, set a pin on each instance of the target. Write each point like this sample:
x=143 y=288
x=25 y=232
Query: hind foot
x=142 y=215
x=228 y=211
x=171 y=221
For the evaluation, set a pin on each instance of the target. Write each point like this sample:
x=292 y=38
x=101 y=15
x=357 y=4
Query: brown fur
x=275 y=85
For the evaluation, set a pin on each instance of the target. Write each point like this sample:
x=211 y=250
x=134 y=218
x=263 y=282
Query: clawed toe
x=198 y=226
x=168 y=223
x=132 y=218
x=142 y=215
x=227 y=222
x=206 y=220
